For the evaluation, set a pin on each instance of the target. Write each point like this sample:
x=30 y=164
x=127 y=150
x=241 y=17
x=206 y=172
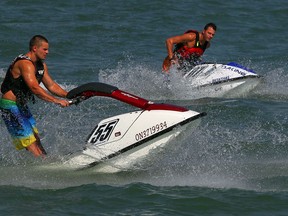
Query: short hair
x=212 y=25
x=37 y=40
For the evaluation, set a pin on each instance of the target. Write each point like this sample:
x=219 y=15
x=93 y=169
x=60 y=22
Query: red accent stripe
x=143 y=103
x=130 y=99
x=166 y=107
x=135 y=101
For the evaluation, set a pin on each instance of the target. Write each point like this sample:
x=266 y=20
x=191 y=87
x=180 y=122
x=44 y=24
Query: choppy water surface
x=234 y=163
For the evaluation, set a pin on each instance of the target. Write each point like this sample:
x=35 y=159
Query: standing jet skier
x=21 y=83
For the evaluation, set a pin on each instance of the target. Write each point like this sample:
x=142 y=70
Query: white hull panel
x=127 y=150
x=236 y=88
x=219 y=80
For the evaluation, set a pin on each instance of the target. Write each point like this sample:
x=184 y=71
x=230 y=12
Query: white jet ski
x=222 y=80
x=121 y=140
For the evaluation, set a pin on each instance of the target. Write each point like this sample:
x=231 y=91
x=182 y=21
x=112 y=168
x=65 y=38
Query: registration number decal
x=221 y=79
x=150 y=131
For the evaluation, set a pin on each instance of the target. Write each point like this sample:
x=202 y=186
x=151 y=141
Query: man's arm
x=27 y=71
x=185 y=38
x=51 y=85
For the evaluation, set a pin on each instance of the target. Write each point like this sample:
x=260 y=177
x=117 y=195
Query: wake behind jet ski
x=121 y=140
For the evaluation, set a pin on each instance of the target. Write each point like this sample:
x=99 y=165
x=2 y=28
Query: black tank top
x=18 y=85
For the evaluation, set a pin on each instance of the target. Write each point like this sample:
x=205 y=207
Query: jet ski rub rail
x=88 y=90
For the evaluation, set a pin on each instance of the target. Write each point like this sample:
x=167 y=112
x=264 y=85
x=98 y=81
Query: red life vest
x=187 y=52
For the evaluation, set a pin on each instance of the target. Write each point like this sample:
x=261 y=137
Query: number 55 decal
x=102 y=132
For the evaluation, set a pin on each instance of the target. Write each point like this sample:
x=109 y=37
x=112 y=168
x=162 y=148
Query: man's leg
x=39 y=144
x=35 y=150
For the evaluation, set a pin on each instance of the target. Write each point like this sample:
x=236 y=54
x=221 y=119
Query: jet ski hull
x=132 y=137
x=222 y=80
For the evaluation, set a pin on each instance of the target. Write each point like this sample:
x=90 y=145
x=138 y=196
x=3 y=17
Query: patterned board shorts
x=19 y=122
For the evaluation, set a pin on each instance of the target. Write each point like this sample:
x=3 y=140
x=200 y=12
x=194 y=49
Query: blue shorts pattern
x=19 y=122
